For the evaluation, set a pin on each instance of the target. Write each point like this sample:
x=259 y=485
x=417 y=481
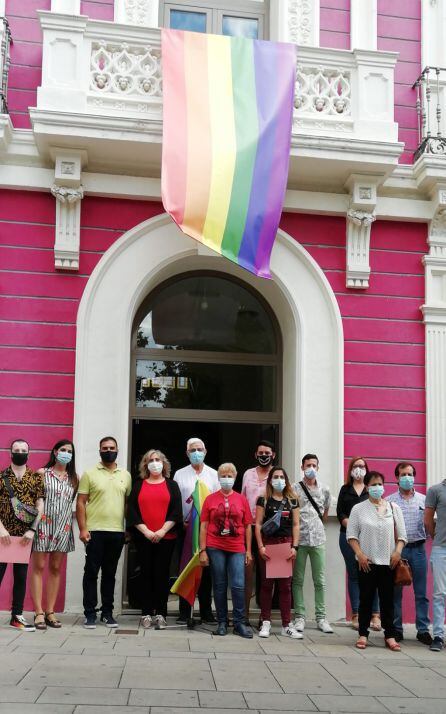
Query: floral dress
x=55 y=530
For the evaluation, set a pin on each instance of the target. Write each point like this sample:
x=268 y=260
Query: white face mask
x=155 y=467
x=310 y=472
x=358 y=473
x=227 y=482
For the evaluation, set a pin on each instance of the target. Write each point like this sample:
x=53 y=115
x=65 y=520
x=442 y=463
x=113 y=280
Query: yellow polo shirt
x=106 y=491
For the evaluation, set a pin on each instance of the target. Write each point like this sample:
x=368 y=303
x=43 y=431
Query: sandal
x=355 y=622
x=394 y=647
x=361 y=644
x=40 y=625
x=375 y=623
x=52 y=621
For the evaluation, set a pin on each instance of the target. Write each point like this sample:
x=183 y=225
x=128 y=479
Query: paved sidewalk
x=77 y=671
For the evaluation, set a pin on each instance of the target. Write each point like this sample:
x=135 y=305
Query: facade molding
x=433 y=33
x=363 y=24
x=304 y=22
x=68 y=192
x=434 y=315
x=307 y=312
x=360 y=216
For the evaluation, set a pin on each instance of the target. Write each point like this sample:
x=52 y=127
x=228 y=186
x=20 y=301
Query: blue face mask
x=64 y=457
x=376 y=491
x=196 y=457
x=310 y=472
x=406 y=482
x=278 y=484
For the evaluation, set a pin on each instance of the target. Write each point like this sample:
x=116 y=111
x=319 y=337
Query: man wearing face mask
x=186 y=479
x=314 y=502
x=412 y=505
x=253 y=487
x=21 y=482
x=100 y=508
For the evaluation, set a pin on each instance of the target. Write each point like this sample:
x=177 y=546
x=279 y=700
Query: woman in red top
x=155 y=516
x=225 y=529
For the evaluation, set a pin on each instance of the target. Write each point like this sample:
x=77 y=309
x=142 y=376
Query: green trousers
x=316 y=553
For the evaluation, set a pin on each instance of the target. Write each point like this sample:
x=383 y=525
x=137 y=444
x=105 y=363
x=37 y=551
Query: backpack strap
x=311 y=499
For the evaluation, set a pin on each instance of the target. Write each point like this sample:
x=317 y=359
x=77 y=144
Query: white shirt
x=186 y=479
x=375 y=531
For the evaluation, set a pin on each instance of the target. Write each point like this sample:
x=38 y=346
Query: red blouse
x=153 y=501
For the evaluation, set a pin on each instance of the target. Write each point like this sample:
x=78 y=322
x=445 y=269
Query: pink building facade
x=357 y=300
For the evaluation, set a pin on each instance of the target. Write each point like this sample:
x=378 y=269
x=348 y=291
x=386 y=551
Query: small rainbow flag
x=189 y=579
x=227 y=114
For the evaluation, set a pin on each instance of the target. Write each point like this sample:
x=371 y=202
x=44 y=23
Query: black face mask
x=18 y=458
x=264 y=460
x=108 y=457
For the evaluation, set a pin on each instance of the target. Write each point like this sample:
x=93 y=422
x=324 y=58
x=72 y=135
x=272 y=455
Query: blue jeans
x=352 y=576
x=418 y=563
x=226 y=566
x=438 y=564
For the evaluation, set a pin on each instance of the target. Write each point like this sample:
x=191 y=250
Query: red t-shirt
x=153 y=502
x=227 y=518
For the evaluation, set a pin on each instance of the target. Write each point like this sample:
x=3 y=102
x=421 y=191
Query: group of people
x=236 y=538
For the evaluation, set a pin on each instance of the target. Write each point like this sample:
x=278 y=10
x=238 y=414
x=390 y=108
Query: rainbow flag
x=189 y=579
x=227 y=113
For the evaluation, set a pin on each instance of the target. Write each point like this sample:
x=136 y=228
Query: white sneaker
x=265 y=630
x=160 y=622
x=324 y=626
x=299 y=624
x=290 y=631
x=146 y=622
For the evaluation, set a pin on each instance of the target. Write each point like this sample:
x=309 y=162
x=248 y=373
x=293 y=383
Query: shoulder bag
x=402 y=574
x=23 y=512
x=272 y=525
x=311 y=499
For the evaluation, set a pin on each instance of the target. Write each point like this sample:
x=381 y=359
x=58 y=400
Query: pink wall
x=399 y=30
x=335 y=24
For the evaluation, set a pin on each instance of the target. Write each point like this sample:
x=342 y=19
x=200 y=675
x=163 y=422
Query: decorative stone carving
x=303 y=25
x=360 y=216
x=323 y=91
x=68 y=192
x=125 y=70
x=137 y=12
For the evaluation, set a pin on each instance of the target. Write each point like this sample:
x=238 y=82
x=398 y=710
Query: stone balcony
x=101 y=93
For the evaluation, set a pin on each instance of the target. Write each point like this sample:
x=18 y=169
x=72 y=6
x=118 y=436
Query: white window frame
x=215 y=10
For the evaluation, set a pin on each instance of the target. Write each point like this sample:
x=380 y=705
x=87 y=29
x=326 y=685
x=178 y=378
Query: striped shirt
x=413 y=514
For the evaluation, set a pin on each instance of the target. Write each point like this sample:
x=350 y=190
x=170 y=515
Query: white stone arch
x=306 y=310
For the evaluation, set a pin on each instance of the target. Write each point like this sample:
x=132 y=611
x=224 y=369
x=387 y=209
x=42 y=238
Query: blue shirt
x=413 y=514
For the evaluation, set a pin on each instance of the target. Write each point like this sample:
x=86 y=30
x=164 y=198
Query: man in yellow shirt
x=102 y=495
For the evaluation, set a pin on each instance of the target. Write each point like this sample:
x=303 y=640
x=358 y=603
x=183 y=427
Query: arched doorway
x=304 y=307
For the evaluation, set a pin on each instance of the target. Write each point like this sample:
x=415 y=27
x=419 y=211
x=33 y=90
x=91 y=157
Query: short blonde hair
x=143 y=471
x=224 y=468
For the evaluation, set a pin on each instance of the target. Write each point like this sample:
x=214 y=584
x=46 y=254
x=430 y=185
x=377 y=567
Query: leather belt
x=415 y=543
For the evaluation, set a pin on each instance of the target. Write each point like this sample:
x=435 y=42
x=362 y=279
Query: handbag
x=272 y=525
x=23 y=512
x=402 y=574
x=311 y=499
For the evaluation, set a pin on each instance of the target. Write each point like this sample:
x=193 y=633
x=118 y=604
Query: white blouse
x=375 y=531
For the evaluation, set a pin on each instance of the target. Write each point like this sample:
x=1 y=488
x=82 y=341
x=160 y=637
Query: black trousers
x=154 y=560
x=379 y=578
x=20 y=571
x=102 y=553
x=204 y=591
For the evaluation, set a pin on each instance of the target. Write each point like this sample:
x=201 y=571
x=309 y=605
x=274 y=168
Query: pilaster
x=360 y=216
x=303 y=22
x=434 y=314
x=137 y=12
x=68 y=192
x=363 y=24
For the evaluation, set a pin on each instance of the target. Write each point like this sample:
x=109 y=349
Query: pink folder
x=278 y=566
x=15 y=552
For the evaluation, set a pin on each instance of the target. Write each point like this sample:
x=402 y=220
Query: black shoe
x=90 y=621
x=425 y=638
x=399 y=637
x=221 y=630
x=437 y=644
x=108 y=620
x=208 y=618
x=181 y=620
x=242 y=631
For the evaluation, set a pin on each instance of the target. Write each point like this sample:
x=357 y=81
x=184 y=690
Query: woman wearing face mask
x=225 y=545
x=279 y=496
x=155 y=517
x=371 y=531
x=253 y=486
x=54 y=534
x=351 y=493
